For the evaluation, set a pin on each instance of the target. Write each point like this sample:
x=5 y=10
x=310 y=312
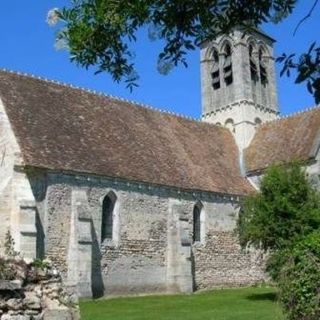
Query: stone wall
x=243 y=104
x=241 y=88
x=151 y=250
x=244 y=114
x=29 y=292
x=6 y=172
x=222 y=263
x=17 y=207
x=219 y=261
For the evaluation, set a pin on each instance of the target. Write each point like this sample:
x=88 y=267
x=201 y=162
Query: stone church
x=126 y=199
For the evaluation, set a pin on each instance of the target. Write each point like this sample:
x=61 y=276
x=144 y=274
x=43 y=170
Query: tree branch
x=306 y=17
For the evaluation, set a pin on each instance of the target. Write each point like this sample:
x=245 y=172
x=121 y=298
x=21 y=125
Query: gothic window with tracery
x=107 y=216
x=215 y=71
x=227 y=65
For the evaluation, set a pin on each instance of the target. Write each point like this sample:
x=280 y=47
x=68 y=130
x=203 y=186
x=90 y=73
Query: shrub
x=299 y=279
x=40 y=264
x=9 y=245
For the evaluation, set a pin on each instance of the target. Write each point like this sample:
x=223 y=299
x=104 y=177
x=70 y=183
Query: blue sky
x=27 y=45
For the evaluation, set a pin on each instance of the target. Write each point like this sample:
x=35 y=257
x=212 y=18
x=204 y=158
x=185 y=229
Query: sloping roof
x=291 y=138
x=62 y=128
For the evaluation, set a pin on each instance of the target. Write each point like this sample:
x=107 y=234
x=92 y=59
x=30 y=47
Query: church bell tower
x=238 y=83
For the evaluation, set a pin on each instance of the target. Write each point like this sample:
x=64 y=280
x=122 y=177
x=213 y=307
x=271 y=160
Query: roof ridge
x=103 y=94
x=297 y=113
x=292 y=115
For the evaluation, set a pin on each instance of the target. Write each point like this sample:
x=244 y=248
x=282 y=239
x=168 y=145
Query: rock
x=55 y=272
x=54 y=295
x=56 y=314
x=15 y=317
x=56 y=287
x=31 y=301
x=36 y=295
x=14 y=304
x=38 y=291
x=41 y=274
x=52 y=304
x=2 y=304
x=10 y=285
x=75 y=314
x=31 y=312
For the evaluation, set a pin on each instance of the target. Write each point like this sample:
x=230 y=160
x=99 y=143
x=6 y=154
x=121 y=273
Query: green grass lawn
x=230 y=304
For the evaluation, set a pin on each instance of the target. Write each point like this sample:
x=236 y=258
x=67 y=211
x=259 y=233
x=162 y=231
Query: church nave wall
x=150 y=246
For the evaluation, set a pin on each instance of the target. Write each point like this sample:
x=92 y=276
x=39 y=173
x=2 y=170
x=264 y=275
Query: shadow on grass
x=270 y=296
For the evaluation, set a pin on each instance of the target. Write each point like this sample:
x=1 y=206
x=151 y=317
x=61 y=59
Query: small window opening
x=107 y=216
x=257 y=121
x=215 y=72
x=230 y=125
x=196 y=224
x=227 y=65
x=263 y=68
x=253 y=65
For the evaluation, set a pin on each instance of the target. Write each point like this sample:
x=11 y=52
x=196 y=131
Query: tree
x=286 y=208
x=284 y=219
x=307 y=67
x=99 y=32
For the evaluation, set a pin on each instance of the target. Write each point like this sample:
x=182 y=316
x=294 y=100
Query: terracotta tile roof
x=291 y=138
x=62 y=128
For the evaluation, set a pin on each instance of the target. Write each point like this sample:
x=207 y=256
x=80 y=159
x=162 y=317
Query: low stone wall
x=34 y=292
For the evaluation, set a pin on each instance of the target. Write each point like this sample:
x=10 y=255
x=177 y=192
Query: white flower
x=53 y=17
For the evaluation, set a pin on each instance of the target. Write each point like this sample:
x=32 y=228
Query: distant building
x=126 y=199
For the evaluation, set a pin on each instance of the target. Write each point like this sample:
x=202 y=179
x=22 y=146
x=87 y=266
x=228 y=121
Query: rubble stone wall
x=152 y=249
x=34 y=293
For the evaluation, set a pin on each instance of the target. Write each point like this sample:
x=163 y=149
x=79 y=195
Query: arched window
x=227 y=65
x=215 y=70
x=107 y=216
x=253 y=65
x=197 y=223
x=218 y=124
x=263 y=67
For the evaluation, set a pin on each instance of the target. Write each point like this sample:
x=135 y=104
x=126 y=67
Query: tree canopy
x=100 y=33
x=286 y=208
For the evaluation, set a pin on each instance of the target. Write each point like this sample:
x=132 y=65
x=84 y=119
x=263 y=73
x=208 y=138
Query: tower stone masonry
x=238 y=83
